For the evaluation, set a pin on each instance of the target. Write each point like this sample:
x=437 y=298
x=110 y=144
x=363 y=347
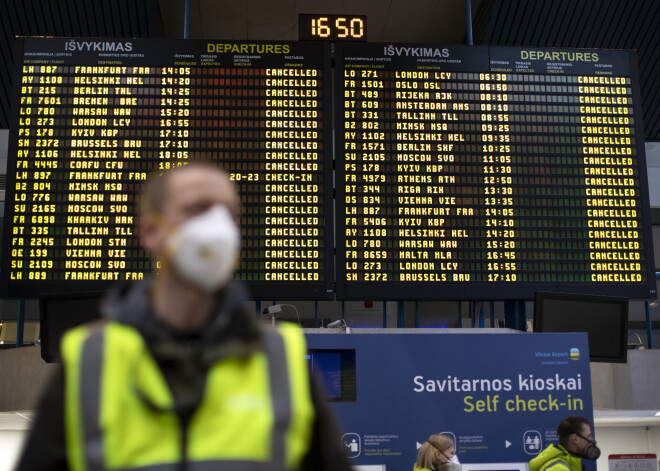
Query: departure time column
x=175 y=83
x=498 y=200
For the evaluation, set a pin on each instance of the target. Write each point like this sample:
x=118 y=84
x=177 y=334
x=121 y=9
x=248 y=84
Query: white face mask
x=204 y=249
x=454 y=459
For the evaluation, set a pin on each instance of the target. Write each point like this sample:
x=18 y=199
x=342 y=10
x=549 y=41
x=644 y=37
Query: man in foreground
x=575 y=443
x=178 y=376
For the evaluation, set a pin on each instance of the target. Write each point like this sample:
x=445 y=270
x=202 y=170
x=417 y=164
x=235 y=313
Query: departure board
x=489 y=173
x=93 y=117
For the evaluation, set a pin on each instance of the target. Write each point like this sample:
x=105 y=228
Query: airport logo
x=557 y=358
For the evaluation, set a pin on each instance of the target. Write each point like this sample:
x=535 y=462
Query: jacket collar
x=230 y=331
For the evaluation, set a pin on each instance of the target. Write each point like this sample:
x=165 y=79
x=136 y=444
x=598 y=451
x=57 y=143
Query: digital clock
x=332 y=27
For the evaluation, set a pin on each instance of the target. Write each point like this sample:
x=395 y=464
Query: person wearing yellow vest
x=575 y=443
x=177 y=376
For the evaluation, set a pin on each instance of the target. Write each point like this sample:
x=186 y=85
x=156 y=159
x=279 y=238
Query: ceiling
x=424 y=21
x=609 y=24
x=614 y=24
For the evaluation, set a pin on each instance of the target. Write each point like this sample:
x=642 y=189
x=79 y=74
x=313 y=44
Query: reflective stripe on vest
x=557 y=461
x=91 y=361
x=91 y=367
x=206 y=466
x=278 y=373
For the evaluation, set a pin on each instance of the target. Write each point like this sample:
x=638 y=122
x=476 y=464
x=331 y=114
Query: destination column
x=103 y=100
x=134 y=124
x=436 y=103
x=429 y=147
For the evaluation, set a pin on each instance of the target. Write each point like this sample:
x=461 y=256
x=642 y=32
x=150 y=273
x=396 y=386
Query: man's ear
x=151 y=234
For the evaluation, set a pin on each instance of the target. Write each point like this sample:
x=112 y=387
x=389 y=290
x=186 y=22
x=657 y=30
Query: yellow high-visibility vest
x=256 y=412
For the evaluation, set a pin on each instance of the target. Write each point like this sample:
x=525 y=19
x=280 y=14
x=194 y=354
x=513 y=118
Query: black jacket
x=184 y=360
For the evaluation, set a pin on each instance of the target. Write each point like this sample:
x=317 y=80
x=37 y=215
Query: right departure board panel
x=475 y=172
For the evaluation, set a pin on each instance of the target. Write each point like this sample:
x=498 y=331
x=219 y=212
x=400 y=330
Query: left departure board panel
x=92 y=118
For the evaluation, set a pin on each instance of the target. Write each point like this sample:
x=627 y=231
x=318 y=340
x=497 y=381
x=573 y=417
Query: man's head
x=189 y=221
x=575 y=435
x=187 y=191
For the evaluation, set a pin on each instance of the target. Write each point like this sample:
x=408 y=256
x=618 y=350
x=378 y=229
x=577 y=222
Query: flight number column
x=364 y=148
x=500 y=255
x=33 y=250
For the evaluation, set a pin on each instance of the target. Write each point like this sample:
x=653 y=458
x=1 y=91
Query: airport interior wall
x=625 y=398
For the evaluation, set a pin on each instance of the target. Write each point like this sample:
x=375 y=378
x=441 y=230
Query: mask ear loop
x=162 y=263
x=440 y=451
x=443 y=454
x=593 y=442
